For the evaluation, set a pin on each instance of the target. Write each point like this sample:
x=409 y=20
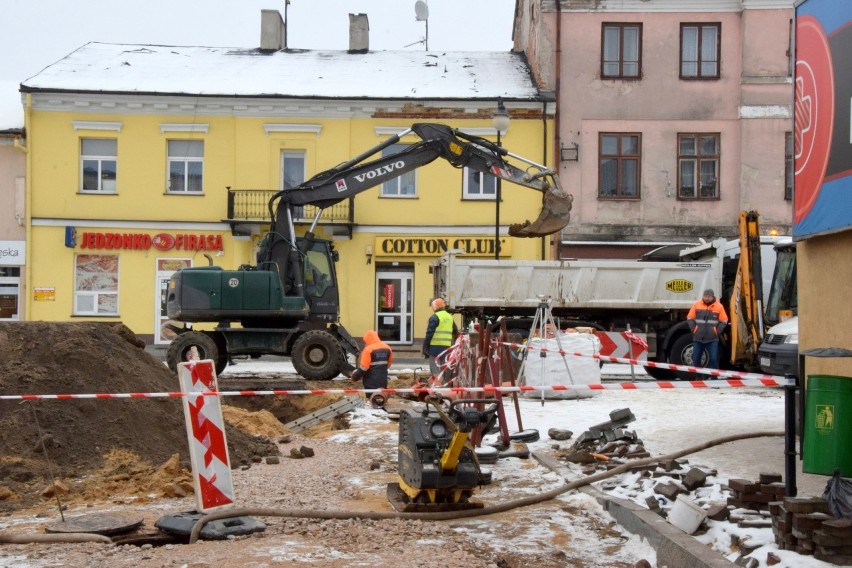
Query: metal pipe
x=790 y=437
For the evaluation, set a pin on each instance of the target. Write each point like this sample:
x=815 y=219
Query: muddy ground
x=114 y=445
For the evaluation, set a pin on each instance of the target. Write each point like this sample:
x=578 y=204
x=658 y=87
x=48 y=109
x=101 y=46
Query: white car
x=779 y=351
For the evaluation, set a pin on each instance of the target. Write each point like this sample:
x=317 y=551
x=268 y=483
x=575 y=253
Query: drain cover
x=106 y=524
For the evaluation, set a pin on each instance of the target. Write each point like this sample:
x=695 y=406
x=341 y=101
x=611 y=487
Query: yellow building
x=146 y=159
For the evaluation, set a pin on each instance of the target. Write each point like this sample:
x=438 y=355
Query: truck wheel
x=181 y=347
x=682 y=355
x=317 y=356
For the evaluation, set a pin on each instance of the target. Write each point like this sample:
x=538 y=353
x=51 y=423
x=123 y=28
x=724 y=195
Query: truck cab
x=779 y=351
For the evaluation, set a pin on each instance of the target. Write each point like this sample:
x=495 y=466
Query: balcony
x=248 y=210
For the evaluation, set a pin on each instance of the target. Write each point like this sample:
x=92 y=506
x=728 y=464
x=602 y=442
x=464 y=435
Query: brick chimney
x=273 y=34
x=359 y=33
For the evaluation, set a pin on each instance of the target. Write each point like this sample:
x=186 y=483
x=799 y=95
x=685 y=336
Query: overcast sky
x=36 y=33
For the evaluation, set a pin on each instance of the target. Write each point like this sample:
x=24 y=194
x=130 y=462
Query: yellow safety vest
x=444 y=332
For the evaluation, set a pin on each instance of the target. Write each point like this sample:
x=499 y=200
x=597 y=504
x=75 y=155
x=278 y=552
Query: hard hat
x=438 y=304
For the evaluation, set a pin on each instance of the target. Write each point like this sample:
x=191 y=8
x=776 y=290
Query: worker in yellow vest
x=441 y=332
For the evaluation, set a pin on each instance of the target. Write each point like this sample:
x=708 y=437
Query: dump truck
x=288 y=302
x=647 y=298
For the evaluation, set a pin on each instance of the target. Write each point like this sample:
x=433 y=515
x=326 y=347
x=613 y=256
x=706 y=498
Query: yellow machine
x=437 y=466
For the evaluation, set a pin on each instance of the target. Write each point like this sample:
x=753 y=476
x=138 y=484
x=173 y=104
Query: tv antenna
x=421 y=14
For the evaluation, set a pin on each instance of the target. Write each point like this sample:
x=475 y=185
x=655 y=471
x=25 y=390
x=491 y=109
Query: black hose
x=449 y=515
x=52 y=538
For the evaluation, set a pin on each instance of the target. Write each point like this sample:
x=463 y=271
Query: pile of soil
x=140 y=442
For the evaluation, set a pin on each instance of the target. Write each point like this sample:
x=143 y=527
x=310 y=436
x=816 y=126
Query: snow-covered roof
x=222 y=71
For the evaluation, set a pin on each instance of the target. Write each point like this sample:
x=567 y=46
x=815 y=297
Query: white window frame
x=300 y=155
x=87 y=302
x=104 y=185
x=187 y=162
x=486 y=181
x=393 y=188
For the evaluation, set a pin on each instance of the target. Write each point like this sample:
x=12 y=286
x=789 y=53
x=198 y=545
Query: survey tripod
x=544 y=327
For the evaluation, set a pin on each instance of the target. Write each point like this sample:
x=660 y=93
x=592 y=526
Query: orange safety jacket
x=707 y=321
x=374 y=362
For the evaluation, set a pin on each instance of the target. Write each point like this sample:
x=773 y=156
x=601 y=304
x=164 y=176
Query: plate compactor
x=437 y=467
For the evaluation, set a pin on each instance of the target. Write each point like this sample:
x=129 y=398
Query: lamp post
x=500 y=120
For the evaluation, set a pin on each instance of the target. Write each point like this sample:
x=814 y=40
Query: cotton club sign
x=142 y=241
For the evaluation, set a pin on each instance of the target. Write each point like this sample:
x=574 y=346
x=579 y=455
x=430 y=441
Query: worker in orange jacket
x=376 y=358
x=707 y=320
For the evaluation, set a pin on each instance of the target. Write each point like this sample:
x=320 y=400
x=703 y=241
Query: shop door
x=165 y=268
x=10 y=285
x=394 y=293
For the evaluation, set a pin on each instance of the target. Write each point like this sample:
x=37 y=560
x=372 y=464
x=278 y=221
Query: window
x=402 y=186
x=10 y=281
x=292 y=169
x=788 y=166
x=186 y=165
x=292 y=174
x=621 y=51
x=95 y=284
x=479 y=185
x=619 y=156
x=699 y=51
x=98 y=165
x=698 y=166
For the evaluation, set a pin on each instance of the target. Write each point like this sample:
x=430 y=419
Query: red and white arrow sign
x=623 y=344
x=205 y=427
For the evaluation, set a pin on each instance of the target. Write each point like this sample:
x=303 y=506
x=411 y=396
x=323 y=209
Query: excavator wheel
x=317 y=356
x=181 y=348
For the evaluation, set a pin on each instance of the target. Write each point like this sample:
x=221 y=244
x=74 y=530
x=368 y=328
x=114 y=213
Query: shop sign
x=437 y=246
x=142 y=241
x=44 y=294
x=13 y=253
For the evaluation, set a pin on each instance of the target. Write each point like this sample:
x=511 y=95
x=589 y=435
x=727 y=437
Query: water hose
x=52 y=538
x=449 y=515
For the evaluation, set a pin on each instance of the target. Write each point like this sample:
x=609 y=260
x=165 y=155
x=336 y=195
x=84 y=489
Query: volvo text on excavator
x=288 y=303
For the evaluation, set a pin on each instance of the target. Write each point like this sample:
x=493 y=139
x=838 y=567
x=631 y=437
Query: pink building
x=673 y=116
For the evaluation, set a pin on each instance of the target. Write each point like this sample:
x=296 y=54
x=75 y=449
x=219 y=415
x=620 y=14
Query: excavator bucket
x=555 y=214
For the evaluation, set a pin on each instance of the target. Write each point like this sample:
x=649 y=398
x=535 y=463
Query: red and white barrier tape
x=668 y=366
x=767 y=381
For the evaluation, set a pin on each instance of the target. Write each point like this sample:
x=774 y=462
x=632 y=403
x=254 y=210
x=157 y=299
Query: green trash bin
x=828 y=425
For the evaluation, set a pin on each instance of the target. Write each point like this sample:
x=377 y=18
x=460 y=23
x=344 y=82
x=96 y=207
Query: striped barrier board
x=205 y=427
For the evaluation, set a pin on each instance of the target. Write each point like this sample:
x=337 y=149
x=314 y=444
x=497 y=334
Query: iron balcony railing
x=253 y=205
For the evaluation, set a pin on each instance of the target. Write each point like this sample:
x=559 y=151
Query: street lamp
x=500 y=120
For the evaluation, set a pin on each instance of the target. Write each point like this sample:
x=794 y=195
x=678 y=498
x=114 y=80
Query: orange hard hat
x=438 y=304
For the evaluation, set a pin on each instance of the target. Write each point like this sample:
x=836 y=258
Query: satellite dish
x=421 y=11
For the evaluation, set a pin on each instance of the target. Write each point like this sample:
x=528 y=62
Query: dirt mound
x=83 y=436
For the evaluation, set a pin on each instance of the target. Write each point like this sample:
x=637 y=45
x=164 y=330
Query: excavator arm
x=437 y=141
x=746 y=301
x=359 y=174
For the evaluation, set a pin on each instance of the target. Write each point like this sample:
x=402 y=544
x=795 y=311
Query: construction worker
x=441 y=332
x=376 y=358
x=707 y=320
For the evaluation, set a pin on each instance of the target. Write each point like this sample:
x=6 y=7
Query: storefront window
x=96 y=284
x=9 y=292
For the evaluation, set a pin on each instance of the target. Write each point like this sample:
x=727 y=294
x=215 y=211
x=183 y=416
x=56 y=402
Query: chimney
x=359 y=33
x=273 y=34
